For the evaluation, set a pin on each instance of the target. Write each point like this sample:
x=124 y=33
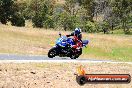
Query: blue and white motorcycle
x=63 y=48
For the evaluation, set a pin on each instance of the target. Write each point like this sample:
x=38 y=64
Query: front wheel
x=52 y=52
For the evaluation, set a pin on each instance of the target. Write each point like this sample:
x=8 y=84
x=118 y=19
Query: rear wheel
x=79 y=53
x=77 y=56
x=52 y=52
x=73 y=56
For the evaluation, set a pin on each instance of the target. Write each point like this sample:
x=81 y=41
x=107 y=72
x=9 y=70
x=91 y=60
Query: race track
x=15 y=58
x=41 y=57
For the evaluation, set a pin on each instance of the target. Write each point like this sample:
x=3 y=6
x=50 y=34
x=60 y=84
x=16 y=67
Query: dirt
x=57 y=75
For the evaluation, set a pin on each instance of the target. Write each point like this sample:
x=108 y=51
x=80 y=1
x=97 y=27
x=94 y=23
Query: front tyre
x=52 y=52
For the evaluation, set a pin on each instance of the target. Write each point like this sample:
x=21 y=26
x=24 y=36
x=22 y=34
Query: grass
x=114 y=47
x=24 y=40
x=34 y=41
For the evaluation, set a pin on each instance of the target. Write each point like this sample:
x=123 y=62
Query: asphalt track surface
x=34 y=57
x=15 y=58
x=41 y=57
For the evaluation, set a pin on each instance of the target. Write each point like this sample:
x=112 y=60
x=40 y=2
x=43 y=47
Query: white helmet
x=77 y=31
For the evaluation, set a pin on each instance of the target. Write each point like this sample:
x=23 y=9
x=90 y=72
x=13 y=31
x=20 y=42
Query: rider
x=77 y=37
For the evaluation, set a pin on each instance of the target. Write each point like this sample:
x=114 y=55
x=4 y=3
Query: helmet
x=77 y=31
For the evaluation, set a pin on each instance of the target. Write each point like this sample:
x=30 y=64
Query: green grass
x=34 y=41
x=119 y=54
x=110 y=47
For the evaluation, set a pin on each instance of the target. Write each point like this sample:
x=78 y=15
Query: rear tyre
x=77 y=56
x=73 y=56
x=79 y=53
x=52 y=52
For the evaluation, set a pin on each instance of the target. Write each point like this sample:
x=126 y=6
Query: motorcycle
x=63 y=48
